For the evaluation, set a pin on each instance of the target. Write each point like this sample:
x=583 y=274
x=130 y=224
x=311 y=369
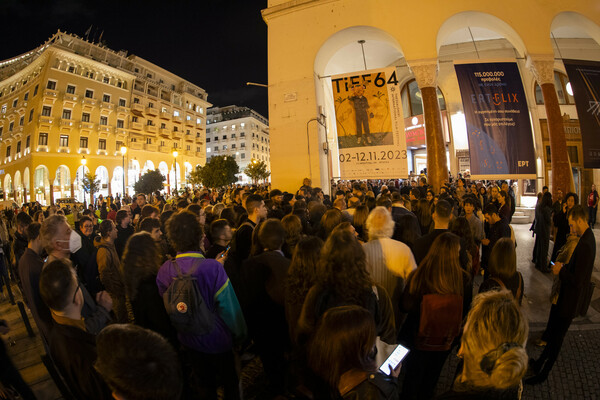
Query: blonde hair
x=380 y=223
x=494 y=322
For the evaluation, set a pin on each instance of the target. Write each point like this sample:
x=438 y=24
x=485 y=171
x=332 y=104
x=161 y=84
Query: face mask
x=74 y=242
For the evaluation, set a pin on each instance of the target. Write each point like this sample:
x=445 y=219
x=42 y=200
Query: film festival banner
x=370 y=126
x=585 y=82
x=498 y=125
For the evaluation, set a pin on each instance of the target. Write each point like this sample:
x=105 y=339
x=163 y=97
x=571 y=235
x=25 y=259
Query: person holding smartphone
x=342 y=354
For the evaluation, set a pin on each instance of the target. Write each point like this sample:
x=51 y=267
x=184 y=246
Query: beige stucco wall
x=297 y=30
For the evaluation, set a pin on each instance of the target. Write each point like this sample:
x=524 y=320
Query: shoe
x=536 y=379
x=541 y=343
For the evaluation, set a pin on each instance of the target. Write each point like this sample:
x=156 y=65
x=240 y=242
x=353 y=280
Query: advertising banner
x=585 y=83
x=498 y=126
x=370 y=126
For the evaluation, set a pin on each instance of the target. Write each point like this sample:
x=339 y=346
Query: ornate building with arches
x=311 y=40
x=70 y=107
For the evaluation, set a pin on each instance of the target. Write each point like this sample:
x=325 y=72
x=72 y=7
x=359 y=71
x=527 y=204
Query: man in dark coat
x=72 y=348
x=574 y=281
x=30 y=268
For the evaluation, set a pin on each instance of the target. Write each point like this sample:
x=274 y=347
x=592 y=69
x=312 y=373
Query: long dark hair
x=344 y=340
x=141 y=259
x=344 y=267
x=302 y=273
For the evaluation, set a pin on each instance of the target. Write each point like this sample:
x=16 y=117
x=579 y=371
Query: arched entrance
x=26 y=184
x=164 y=170
x=117 y=183
x=18 y=187
x=357 y=48
x=102 y=177
x=62 y=183
x=41 y=185
x=82 y=170
x=8 y=188
x=133 y=174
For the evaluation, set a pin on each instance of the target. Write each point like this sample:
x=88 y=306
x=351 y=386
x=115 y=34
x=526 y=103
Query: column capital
x=425 y=72
x=542 y=67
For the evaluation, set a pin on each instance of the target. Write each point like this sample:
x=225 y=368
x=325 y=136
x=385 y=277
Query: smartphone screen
x=394 y=359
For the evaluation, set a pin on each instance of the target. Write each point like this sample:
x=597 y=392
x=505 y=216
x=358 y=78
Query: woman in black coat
x=561 y=223
x=543 y=224
x=140 y=263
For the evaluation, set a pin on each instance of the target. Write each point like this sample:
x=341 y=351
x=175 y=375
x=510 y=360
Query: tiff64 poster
x=370 y=127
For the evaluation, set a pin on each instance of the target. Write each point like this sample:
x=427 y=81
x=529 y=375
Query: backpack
x=440 y=322
x=185 y=305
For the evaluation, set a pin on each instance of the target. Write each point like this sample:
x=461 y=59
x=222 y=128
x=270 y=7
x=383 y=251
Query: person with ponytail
x=493 y=350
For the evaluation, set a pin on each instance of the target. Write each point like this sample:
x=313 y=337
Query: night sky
x=218 y=45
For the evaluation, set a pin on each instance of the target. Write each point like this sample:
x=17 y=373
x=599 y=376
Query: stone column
x=562 y=175
x=51 y=194
x=24 y=194
x=72 y=190
x=437 y=167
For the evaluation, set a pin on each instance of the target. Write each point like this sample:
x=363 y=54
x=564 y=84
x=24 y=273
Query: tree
x=218 y=171
x=257 y=170
x=150 y=182
x=90 y=185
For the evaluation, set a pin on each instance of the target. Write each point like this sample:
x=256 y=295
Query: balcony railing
x=151 y=129
x=151 y=111
x=177 y=119
x=107 y=106
x=165 y=115
x=177 y=134
x=137 y=108
x=165 y=132
x=150 y=147
x=135 y=145
x=136 y=125
x=164 y=149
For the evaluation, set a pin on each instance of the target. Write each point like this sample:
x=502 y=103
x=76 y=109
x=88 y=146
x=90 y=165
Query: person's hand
x=485 y=242
x=4 y=329
x=104 y=300
x=564 y=207
x=396 y=371
x=556 y=268
x=222 y=257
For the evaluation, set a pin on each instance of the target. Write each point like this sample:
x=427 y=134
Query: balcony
x=137 y=108
x=70 y=97
x=136 y=125
x=151 y=111
x=164 y=149
x=199 y=140
x=135 y=146
x=199 y=125
x=45 y=120
x=165 y=115
x=88 y=101
x=18 y=132
x=189 y=138
x=122 y=110
x=120 y=132
x=51 y=93
x=190 y=122
x=87 y=125
x=177 y=134
x=150 y=147
x=199 y=154
x=66 y=122
x=105 y=129
x=107 y=106
x=151 y=129
x=177 y=119
x=165 y=132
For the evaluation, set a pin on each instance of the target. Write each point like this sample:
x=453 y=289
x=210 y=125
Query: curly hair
x=141 y=259
x=293 y=229
x=344 y=267
x=184 y=231
x=302 y=273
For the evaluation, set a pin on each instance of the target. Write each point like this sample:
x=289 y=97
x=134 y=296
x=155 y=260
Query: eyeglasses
x=76 y=290
x=88 y=226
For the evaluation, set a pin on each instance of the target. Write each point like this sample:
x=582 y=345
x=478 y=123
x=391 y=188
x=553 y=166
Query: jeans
x=592 y=215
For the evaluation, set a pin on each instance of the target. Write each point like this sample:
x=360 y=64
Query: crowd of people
x=166 y=298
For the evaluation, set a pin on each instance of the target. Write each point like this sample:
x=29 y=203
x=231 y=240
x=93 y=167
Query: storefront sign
x=498 y=125
x=585 y=83
x=370 y=127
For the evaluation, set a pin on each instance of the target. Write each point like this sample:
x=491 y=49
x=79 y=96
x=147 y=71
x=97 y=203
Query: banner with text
x=498 y=125
x=585 y=83
x=370 y=126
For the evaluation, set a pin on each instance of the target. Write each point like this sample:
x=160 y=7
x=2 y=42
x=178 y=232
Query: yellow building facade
x=71 y=106
x=311 y=40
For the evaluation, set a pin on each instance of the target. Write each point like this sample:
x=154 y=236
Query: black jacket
x=123 y=234
x=74 y=353
x=30 y=268
x=576 y=275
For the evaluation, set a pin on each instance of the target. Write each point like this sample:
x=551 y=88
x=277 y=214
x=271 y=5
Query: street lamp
x=83 y=162
x=175 y=154
x=123 y=152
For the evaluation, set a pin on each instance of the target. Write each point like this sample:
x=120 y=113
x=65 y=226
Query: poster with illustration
x=370 y=126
